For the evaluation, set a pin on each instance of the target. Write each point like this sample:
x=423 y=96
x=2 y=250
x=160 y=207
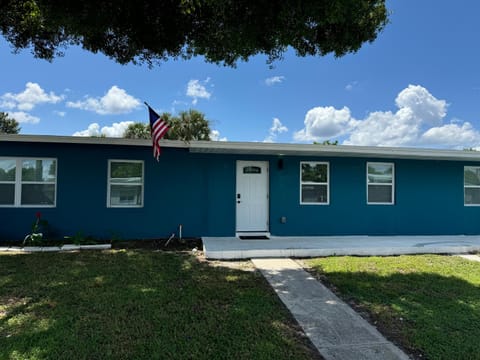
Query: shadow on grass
x=431 y=315
x=139 y=304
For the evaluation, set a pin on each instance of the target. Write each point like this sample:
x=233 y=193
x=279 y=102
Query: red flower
x=38 y=214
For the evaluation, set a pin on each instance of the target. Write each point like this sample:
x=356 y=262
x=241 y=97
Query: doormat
x=253 y=237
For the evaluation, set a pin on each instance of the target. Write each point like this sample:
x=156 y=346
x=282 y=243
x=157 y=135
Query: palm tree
x=188 y=125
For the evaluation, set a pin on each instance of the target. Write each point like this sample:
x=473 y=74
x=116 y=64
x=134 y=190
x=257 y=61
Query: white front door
x=252 y=196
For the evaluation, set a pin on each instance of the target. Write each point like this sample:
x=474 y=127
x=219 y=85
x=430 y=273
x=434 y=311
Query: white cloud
x=274 y=80
x=417 y=122
x=60 y=113
x=423 y=105
x=350 y=86
x=325 y=123
x=385 y=129
x=215 y=136
x=452 y=135
x=92 y=130
x=115 y=101
x=276 y=128
x=23 y=117
x=116 y=130
x=29 y=98
x=196 y=90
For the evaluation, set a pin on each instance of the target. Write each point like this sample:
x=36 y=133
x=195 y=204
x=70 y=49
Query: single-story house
x=114 y=188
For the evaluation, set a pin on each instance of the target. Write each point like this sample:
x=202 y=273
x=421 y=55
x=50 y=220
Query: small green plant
x=38 y=228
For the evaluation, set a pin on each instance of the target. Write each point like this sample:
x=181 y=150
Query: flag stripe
x=158 y=128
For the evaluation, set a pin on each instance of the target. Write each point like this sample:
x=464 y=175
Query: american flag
x=158 y=128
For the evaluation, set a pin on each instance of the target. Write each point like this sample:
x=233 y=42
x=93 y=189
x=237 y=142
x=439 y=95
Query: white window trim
x=392 y=185
x=315 y=183
x=109 y=183
x=469 y=186
x=18 y=183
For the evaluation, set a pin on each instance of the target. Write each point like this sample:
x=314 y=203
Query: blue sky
x=418 y=84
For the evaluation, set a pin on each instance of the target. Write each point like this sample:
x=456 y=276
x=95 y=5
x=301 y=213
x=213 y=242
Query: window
x=471 y=185
x=380 y=183
x=125 y=183
x=28 y=182
x=314 y=183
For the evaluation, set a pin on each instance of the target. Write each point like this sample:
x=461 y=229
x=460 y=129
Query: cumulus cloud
x=115 y=101
x=197 y=90
x=116 y=130
x=215 y=136
x=419 y=121
x=452 y=135
x=324 y=123
x=274 y=80
x=23 y=117
x=26 y=100
x=276 y=128
x=422 y=105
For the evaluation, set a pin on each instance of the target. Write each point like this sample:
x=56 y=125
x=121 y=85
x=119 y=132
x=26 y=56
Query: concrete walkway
x=276 y=247
x=334 y=328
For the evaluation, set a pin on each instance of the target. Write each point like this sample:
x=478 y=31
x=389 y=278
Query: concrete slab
x=233 y=248
x=334 y=328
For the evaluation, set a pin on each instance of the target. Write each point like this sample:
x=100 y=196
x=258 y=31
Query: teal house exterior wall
x=182 y=188
x=429 y=200
x=198 y=191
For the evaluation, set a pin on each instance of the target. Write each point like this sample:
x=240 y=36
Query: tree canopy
x=8 y=125
x=222 y=31
x=137 y=130
x=188 y=125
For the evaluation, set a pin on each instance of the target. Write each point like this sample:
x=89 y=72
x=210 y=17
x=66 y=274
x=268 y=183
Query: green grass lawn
x=430 y=304
x=134 y=304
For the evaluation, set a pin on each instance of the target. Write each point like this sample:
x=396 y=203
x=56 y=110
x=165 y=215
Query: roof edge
x=260 y=148
x=333 y=150
x=89 y=140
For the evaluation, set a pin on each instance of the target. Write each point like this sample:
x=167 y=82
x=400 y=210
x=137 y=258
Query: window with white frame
x=125 y=183
x=471 y=185
x=314 y=178
x=380 y=183
x=28 y=182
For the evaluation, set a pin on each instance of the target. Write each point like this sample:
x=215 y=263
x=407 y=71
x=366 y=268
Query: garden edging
x=67 y=247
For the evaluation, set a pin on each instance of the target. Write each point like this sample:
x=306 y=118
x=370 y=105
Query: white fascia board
x=89 y=140
x=331 y=150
